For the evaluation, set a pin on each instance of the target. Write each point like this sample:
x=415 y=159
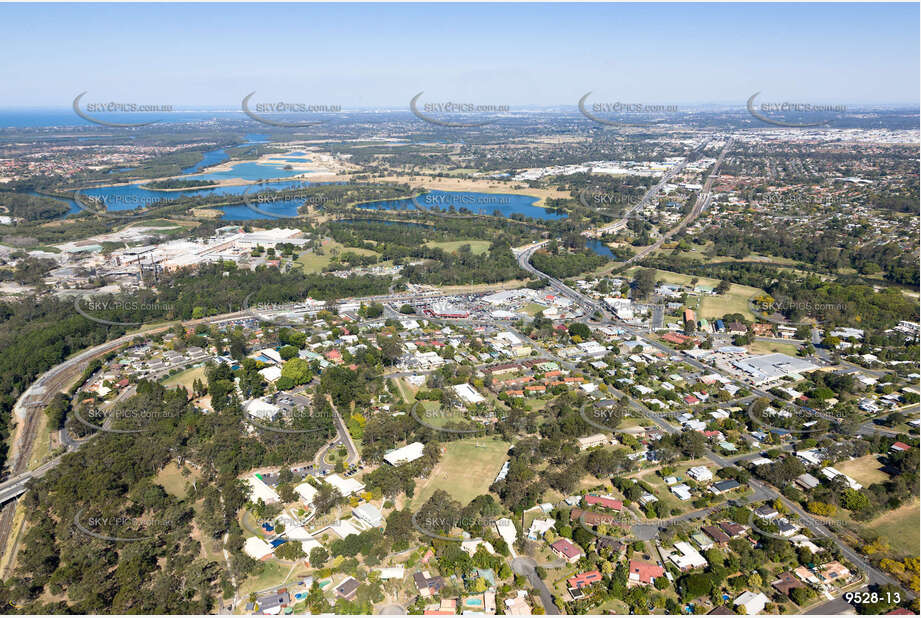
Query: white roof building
x=345 y=487
x=307 y=492
x=256 y=548
x=369 y=514
x=468 y=394
x=396 y=572
x=751 y=603
x=271 y=373
x=701 y=474
x=258 y=490
x=261 y=409
x=404 y=454
x=689 y=558
x=505 y=527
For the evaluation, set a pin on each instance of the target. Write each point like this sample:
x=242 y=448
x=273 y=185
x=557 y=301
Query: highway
x=703 y=201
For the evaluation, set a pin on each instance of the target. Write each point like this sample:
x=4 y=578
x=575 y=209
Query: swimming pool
x=474 y=602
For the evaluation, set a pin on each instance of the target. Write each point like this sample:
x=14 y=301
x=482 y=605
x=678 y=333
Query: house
x=687 y=557
x=584 y=579
x=701 y=474
x=567 y=550
x=426 y=584
x=505 y=527
x=539 y=528
x=518 y=605
x=723 y=486
x=807 y=481
x=750 y=603
x=832 y=571
x=786 y=583
x=732 y=529
x=591 y=518
x=643 y=573
x=607 y=502
x=348 y=588
x=369 y=514
x=766 y=512
x=404 y=454
x=899 y=447
x=272 y=604
x=682 y=491
x=470 y=546
x=715 y=533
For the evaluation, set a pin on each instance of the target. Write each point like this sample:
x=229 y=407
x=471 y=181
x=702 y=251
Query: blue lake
x=479 y=203
x=250 y=170
x=74 y=207
x=600 y=248
x=130 y=197
x=210 y=158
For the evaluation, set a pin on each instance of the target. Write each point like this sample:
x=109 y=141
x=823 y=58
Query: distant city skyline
x=195 y=56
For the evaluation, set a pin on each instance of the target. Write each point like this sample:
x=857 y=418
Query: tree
x=291 y=550
x=297 y=370
x=318 y=557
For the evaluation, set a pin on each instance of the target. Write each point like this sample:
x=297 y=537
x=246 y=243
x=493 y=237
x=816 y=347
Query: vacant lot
x=767 y=347
x=173 y=480
x=451 y=246
x=466 y=470
x=901 y=528
x=865 y=470
x=311 y=262
x=186 y=378
x=733 y=301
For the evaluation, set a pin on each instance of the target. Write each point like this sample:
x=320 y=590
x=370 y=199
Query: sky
x=367 y=55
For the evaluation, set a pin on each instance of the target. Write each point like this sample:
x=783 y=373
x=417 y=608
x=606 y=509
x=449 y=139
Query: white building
x=369 y=514
x=345 y=486
x=404 y=454
x=468 y=394
x=750 y=603
x=700 y=474
x=307 y=492
x=257 y=549
x=688 y=558
x=258 y=490
x=505 y=527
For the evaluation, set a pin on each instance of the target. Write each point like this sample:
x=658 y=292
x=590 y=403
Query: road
x=522 y=565
x=762 y=491
x=703 y=200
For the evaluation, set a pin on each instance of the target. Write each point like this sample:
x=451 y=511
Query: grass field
x=466 y=470
x=172 y=480
x=185 y=378
x=865 y=470
x=767 y=347
x=478 y=247
x=733 y=301
x=311 y=262
x=901 y=528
